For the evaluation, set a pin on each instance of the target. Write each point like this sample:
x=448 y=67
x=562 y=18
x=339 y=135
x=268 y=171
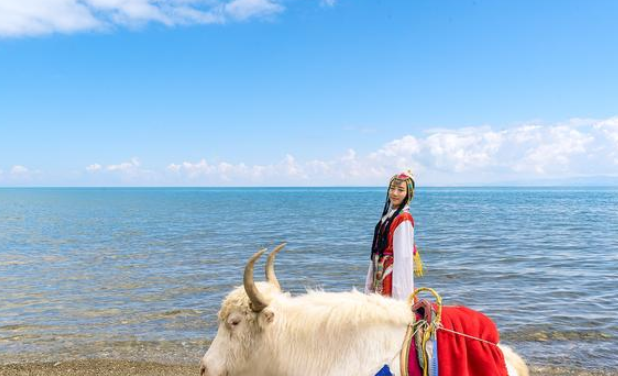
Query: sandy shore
x=98 y=368
x=128 y=368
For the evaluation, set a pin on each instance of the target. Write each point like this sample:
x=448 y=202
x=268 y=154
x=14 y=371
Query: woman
x=394 y=259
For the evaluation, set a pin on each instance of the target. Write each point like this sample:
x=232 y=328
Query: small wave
x=175 y=313
x=21 y=327
x=548 y=370
x=99 y=313
x=553 y=336
x=13 y=263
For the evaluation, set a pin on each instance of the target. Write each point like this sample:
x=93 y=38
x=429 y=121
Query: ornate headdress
x=407 y=177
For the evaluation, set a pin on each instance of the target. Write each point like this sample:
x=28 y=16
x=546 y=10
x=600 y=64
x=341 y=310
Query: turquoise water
x=140 y=273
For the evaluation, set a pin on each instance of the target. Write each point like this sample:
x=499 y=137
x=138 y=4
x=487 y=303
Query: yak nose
x=203 y=371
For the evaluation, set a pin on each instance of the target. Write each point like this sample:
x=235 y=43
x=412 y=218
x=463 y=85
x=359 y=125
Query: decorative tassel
x=418 y=263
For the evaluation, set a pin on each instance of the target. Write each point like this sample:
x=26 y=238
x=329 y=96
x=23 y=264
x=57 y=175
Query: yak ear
x=268 y=316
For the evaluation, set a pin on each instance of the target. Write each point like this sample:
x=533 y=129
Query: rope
x=430 y=328
x=405 y=350
x=441 y=327
x=412 y=298
x=405 y=347
x=409 y=335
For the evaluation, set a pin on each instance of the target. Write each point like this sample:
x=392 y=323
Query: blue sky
x=306 y=92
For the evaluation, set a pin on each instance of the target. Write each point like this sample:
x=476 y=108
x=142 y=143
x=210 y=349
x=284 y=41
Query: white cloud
x=38 y=17
x=609 y=127
x=130 y=172
x=576 y=148
x=292 y=168
x=191 y=169
x=526 y=134
x=440 y=157
x=245 y=9
x=353 y=166
x=527 y=152
x=328 y=3
x=19 y=170
x=557 y=146
x=609 y=130
x=349 y=168
x=460 y=156
x=203 y=171
x=94 y=167
x=132 y=165
x=462 y=150
x=19 y=174
x=407 y=145
x=131 y=11
x=33 y=17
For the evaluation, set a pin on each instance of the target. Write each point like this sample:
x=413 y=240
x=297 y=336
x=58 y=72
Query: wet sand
x=129 y=368
x=98 y=368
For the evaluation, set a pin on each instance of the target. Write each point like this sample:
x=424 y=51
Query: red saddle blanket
x=461 y=355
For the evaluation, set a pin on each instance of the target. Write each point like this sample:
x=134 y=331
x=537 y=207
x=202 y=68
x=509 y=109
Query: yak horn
x=270 y=266
x=258 y=303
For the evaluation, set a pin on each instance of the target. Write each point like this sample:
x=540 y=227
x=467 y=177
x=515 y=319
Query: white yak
x=265 y=332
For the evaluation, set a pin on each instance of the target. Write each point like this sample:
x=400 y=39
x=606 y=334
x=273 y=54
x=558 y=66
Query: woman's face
x=397 y=192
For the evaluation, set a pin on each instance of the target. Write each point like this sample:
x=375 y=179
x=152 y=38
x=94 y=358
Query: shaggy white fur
x=315 y=334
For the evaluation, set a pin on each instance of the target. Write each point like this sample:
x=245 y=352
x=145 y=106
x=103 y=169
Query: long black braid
x=381 y=231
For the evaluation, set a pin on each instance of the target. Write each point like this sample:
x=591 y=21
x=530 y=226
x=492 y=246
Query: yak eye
x=234 y=322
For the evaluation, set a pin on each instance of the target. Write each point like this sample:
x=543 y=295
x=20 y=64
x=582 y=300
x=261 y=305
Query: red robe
x=399 y=257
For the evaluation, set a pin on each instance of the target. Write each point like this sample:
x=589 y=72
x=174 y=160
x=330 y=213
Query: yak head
x=243 y=318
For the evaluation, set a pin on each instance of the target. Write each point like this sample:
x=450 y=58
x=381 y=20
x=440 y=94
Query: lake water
x=140 y=273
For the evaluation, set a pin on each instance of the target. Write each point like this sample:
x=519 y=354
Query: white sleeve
x=369 y=279
x=403 y=261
